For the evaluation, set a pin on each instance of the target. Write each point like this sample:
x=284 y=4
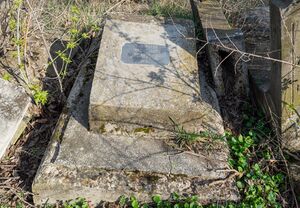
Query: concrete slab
x=80 y=163
x=146 y=73
x=14 y=104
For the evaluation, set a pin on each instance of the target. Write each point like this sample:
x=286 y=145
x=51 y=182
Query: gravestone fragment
x=103 y=167
x=14 y=104
x=147 y=74
x=227 y=64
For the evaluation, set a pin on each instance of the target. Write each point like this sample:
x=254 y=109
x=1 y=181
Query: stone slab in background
x=143 y=88
x=14 y=104
x=229 y=71
x=255 y=24
x=80 y=163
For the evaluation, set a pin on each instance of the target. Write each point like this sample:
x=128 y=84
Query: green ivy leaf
x=156 y=199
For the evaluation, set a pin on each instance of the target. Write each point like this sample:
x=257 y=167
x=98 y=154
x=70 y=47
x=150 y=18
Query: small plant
x=40 y=96
x=78 y=203
x=134 y=202
x=74 y=39
x=18 y=41
x=6 y=76
x=183 y=137
x=175 y=201
x=292 y=109
x=257 y=183
x=16 y=26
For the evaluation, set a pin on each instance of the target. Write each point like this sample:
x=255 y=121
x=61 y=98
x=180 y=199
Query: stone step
x=14 y=115
x=147 y=73
x=80 y=163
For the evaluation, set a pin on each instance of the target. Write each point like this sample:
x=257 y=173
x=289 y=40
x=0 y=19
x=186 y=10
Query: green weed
x=6 y=76
x=78 y=203
x=184 y=137
x=169 y=10
x=259 y=185
x=175 y=201
x=40 y=96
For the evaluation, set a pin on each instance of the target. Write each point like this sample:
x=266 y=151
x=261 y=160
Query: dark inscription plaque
x=135 y=53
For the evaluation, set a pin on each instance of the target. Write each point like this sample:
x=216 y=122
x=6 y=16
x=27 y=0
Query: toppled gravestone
x=131 y=150
x=224 y=48
x=255 y=25
x=148 y=77
x=14 y=104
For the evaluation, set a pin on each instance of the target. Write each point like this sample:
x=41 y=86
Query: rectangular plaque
x=136 y=53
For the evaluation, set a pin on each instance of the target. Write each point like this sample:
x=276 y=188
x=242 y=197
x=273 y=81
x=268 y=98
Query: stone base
x=79 y=163
x=14 y=104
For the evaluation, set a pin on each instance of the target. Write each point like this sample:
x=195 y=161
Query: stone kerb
x=228 y=68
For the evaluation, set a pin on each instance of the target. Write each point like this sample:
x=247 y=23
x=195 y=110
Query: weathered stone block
x=147 y=73
x=80 y=163
x=14 y=104
x=224 y=45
